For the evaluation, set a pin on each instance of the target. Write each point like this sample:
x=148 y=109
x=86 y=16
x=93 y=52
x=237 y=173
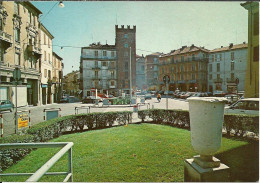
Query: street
x=37 y=113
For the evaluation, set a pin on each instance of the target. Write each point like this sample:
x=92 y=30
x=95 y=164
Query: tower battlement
x=125 y=28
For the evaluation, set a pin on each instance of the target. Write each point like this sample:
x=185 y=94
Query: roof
x=43 y=28
x=33 y=7
x=154 y=54
x=57 y=55
x=185 y=49
x=100 y=46
x=230 y=47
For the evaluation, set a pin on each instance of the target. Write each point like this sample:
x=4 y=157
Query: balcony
x=7 y=38
x=218 y=80
x=96 y=67
x=181 y=81
x=192 y=81
x=112 y=86
x=231 y=80
x=32 y=30
x=35 y=49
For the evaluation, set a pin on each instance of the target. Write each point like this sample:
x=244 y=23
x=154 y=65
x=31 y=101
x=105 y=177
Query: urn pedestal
x=206 y=121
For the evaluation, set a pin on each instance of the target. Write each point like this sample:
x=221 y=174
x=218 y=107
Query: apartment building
x=151 y=70
x=98 y=69
x=47 y=88
x=57 y=79
x=20 y=47
x=227 y=68
x=186 y=67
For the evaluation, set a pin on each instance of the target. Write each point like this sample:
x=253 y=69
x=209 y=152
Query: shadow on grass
x=243 y=162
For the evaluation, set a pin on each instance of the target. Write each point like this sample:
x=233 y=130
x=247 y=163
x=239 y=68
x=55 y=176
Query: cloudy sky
x=160 y=26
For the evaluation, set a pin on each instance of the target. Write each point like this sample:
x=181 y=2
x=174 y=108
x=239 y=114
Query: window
x=232 y=66
x=17 y=59
x=33 y=20
x=112 y=74
x=126 y=65
x=210 y=77
x=44 y=37
x=104 y=53
x=29 y=17
x=256 y=54
x=112 y=83
x=126 y=45
x=49 y=42
x=16 y=8
x=232 y=76
x=1 y=24
x=45 y=73
x=218 y=76
x=44 y=55
x=126 y=75
x=1 y=54
x=96 y=53
x=182 y=58
x=215 y=58
x=256 y=23
x=193 y=76
x=112 y=54
x=104 y=64
x=17 y=35
x=210 y=67
x=193 y=57
x=49 y=56
x=218 y=67
x=30 y=62
x=126 y=36
x=126 y=53
x=220 y=57
x=212 y=58
x=232 y=56
x=96 y=74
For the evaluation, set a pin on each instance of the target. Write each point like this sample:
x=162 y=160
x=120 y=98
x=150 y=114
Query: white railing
x=66 y=147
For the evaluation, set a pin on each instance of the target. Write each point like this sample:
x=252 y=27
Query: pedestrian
x=159 y=97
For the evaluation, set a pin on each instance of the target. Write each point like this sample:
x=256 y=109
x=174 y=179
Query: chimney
x=142 y=55
x=221 y=46
x=128 y=26
x=122 y=26
x=244 y=42
x=230 y=45
x=192 y=45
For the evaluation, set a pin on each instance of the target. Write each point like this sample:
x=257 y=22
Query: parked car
x=219 y=93
x=91 y=99
x=171 y=93
x=188 y=94
x=148 y=96
x=244 y=106
x=64 y=100
x=231 y=98
x=6 y=105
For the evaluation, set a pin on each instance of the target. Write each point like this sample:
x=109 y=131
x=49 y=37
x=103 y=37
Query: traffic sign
x=17 y=74
x=166 y=79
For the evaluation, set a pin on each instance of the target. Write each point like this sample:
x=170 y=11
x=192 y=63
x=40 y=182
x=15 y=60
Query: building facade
x=47 y=89
x=20 y=47
x=140 y=75
x=57 y=79
x=227 y=68
x=71 y=84
x=186 y=67
x=126 y=42
x=252 y=74
x=151 y=70
x=98 y=69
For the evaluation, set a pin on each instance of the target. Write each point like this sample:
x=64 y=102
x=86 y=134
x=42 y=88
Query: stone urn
x=206 y=121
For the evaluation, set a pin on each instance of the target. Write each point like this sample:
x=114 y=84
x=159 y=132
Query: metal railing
x=82 y=107
x=66 y=147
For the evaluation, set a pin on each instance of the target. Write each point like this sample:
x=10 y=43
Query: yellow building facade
x=252 y=74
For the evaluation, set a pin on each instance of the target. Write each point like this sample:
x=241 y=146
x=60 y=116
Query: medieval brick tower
x=125 y=39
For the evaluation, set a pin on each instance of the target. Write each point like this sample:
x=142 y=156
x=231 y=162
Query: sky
x=161 y=26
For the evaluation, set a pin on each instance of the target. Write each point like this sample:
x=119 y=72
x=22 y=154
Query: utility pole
x=130 y=78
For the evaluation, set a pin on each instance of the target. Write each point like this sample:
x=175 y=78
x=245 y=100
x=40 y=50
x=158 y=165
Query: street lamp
x=61 y=5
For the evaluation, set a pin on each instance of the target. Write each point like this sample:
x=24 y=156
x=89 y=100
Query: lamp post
x=130 y=78
x=17 y=77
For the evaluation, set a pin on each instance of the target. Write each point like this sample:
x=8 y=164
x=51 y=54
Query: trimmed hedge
x=178 y=118
x=50 y=129
x=239 y=123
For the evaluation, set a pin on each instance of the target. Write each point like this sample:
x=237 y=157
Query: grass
x=137 y=153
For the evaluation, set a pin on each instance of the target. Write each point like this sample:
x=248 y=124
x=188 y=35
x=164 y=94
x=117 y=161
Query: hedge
x=238 y=123
x=50 y=129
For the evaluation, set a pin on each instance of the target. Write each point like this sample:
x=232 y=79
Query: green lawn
x=139 y=152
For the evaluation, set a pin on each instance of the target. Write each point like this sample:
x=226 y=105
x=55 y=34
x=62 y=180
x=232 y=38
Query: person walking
x=159 y=97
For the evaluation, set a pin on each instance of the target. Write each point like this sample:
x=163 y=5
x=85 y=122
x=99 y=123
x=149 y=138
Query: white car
x=244 y=106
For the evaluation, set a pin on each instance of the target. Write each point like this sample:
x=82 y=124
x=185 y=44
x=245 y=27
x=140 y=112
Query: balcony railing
x=231 y=80
x=35 y=49
x=218 y=80
x=5 y=37
x=111 y=77
x=192 y=81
